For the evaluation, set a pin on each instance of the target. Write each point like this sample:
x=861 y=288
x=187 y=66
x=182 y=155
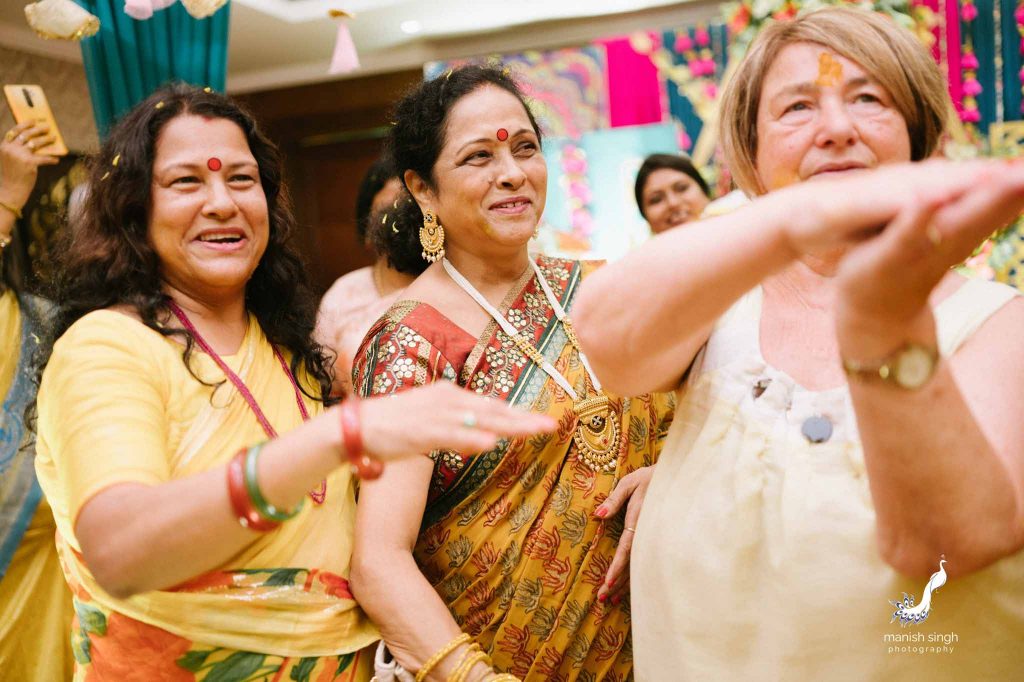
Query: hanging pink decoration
x=702 y=36
x=574 y=169
x=683 y=42
x=970 y=88
x=683 y=140
x=971 y=115
x=345 y=58
x=141 y=10
x=1019 y=16
x=969 y=12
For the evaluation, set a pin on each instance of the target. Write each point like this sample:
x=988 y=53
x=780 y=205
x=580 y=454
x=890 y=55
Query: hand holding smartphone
x=28 y=103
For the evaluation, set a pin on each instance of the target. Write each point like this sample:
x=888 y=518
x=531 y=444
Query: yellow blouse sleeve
x=102 y=410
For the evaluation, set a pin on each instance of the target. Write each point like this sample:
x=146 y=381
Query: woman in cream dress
x=849 y=412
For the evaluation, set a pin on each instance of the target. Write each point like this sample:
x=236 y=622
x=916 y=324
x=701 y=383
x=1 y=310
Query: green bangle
x=265 y=509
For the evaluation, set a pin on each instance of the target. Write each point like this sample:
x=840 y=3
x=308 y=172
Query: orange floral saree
x=509 y=540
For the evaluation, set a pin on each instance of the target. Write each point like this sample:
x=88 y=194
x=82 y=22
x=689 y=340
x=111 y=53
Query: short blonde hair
x=888 y=52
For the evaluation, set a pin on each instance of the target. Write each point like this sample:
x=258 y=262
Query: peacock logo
x=907 y=612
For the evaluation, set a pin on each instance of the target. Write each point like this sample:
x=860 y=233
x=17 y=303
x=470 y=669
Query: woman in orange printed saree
x=508 y=546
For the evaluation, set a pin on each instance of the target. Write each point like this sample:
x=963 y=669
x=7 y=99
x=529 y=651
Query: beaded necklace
x=318 y=496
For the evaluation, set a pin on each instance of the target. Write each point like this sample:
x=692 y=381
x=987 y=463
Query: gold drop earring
x=431 y=238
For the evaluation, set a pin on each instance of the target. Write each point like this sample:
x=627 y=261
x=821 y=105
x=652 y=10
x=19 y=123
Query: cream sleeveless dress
x=755 y=555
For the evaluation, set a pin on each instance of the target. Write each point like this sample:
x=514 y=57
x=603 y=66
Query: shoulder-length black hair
x=107 y=259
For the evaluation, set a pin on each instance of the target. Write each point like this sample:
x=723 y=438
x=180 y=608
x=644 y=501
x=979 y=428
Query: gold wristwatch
x=909 y=367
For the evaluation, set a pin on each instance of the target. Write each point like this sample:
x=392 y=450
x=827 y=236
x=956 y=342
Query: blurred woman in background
x=670 y=191
x=356 y=300
x=34 y=600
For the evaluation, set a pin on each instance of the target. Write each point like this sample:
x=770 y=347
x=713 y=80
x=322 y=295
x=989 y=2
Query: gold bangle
x=453 y=675
x=505 y=677
x=462 y=672
x=12 y=209
x=422 y=673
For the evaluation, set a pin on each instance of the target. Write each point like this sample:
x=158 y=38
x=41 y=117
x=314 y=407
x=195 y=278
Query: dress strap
x=960 y=315
x=736 y=334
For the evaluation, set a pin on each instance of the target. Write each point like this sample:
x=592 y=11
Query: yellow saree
x=117 y=405
x=509 y=540
x=35 y=606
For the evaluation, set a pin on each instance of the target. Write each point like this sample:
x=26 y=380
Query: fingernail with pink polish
x=600 y=512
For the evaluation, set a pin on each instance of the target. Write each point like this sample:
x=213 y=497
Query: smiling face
x=489 y=193
x=671 y=198
x=208 y=227
x=821 y=114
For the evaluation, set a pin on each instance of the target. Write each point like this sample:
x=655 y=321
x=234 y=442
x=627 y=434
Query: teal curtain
x=128 y=59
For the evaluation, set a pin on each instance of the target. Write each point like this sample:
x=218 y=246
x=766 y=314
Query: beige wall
x=66 y=89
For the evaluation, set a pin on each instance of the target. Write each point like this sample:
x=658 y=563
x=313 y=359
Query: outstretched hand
x=440 y=416
x=829 y=213
x=885 y=282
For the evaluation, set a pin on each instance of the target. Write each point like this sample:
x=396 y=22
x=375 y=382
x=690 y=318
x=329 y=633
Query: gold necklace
x=597 y=434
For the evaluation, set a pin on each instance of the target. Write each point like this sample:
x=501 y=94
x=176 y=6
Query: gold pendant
x=597 y=434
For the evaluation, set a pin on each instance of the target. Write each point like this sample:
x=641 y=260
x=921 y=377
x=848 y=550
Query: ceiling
x=276 y=43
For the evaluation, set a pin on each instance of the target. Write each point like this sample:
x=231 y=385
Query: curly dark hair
x=673 y=161
x=417 y=136
x=373 y=182
x=107 y=260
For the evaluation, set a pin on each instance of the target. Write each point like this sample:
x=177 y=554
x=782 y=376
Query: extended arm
x=945 y=463
x=642 y=319
x=191 y=520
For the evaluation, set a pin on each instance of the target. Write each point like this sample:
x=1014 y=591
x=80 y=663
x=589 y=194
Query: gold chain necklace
x=597 y=434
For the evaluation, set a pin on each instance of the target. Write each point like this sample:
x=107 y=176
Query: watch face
x=915 y=367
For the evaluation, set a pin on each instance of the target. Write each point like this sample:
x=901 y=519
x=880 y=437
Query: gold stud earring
x=431 y=238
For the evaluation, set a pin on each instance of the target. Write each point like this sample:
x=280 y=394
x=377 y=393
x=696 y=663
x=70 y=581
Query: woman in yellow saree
x=513 y=547
x=34 y=603
x=202 y=493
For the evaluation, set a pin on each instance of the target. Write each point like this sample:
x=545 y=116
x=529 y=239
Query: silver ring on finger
x=628 y=529
x=20 y=139
x=469 y=419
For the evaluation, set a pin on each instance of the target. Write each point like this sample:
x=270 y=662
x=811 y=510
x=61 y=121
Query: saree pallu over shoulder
x=21 y=318
x=284 y=595
x=509 y=540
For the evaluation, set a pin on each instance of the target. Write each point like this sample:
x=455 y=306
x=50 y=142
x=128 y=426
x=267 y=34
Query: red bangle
x=243 y=507
x=351 y=431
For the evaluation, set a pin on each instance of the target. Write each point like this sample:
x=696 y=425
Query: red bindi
x=213 y=163
x=502 y=134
